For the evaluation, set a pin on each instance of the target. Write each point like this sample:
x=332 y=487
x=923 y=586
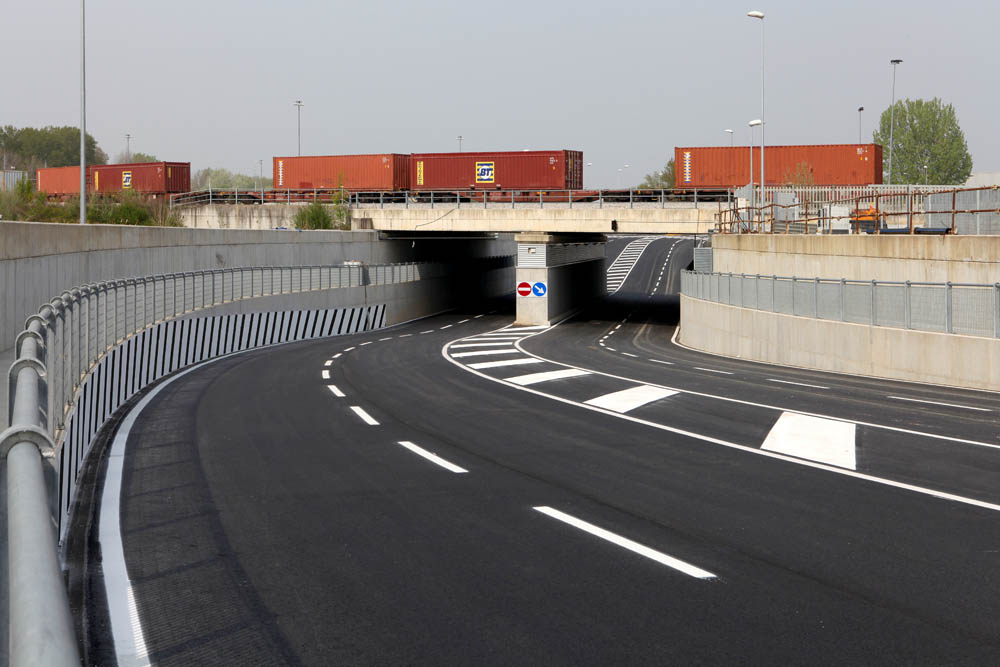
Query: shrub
x=313 y=216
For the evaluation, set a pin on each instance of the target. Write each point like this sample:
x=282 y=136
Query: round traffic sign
x=523 y=289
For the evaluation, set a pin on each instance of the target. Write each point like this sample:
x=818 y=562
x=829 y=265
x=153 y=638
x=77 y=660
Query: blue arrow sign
x=539 y=289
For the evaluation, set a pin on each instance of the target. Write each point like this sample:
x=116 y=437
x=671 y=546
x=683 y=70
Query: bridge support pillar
x=563 y=272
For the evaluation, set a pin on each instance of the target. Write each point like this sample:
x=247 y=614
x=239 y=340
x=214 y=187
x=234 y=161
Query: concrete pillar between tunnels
x=563 y=272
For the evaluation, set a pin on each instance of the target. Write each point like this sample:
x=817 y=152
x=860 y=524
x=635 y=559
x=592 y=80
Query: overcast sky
x=212 y=81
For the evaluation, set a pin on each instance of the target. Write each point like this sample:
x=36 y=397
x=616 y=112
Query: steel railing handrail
x=693 y=286
x=58 y=348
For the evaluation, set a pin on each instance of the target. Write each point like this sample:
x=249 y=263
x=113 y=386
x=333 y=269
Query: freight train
x=510 y=170
x=148 y=178
x=736 y=166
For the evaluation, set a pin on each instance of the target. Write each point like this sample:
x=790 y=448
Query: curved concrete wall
x=902 y=354
x=959 y=259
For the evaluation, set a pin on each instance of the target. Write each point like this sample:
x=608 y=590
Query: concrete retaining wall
x=960 y=259
x=248 y=216
x=40 y=260
x=902 y=354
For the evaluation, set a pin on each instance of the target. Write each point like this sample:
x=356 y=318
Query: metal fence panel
x=748 y=290
x=972 y=310
x=765 y=293
x=928 y=307
x=858 y=303
x=804 y=296
x=890 y=306
x=828 y=301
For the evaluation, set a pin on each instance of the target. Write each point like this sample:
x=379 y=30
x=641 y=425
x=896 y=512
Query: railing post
x=816 y=299
x=949 y=320
x=874 y=319
x=774 y=279
x=954 y=195
x=907 y=306
x=843 y=298
x=630 y=197
x=996 y=310
x=600 y=199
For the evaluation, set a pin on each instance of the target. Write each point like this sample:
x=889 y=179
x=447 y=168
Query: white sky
x=212 y=82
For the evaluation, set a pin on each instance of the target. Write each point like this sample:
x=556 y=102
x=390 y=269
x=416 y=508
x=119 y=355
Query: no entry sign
x=523 y=289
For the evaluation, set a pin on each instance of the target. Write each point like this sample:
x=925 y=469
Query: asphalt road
x=635 y=505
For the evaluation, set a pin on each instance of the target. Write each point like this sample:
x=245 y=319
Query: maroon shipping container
x=145 y=177
x=726 y=167
x=153 y=178
x=389 y=171
x=523 y=170
x=58 y=180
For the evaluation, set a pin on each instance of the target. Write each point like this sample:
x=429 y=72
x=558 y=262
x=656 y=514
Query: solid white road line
x=947 y=405
x=495 y=334
x=483 y=340
x=433 y=458
x=630 y=399
x=460 y=345
x=336 y=392
x=799 y=384
x=507 y=362
x=624 y=542
x=660 y=361
x=824 y=440
x=328 y=362
x=483 y=353
x=531 y=328
x=367 y=418
x=535 y=378
x=326 y=375
x=711 y=370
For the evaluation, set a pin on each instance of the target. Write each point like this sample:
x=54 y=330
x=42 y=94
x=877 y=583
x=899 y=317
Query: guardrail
x=71 y=338
x=646 y=197
x=971 y=309
x=907 y=210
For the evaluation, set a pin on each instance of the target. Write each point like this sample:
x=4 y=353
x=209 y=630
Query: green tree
x=122 y=158
x=926 y=134
x=30 y=148
x=659 y=179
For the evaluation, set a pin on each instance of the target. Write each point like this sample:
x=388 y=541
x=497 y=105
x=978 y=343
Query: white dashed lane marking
x=434 y=458
x=947 y=405
x=335 y=391
x=365 y=417
x=629 y=399
x=712 y=370
x=535 y=378
x=506 y=362
x=483 y=353
x=798 y=384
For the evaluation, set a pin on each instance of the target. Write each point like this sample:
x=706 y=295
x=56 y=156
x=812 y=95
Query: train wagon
x=726 y=167
x=512 y=170
x=385 y=171
x=148 y=178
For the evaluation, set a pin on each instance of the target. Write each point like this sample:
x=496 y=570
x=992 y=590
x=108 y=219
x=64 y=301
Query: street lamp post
x=892 y=113
x=298 y=107
x=753 y=199
x=731 y=137
x=860 y=109
x=925 y=174
x=83 y=112
x=128 y=147
x=760 y=15
x=460 y=137
x=260 y=164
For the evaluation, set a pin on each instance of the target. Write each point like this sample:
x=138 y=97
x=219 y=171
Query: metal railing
x=900 y=210
x=54 y=354
x=971 y=309
x=631 y=198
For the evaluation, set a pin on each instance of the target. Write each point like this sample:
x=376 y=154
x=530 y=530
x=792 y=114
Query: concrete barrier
x=828 y=345
x=958 y=259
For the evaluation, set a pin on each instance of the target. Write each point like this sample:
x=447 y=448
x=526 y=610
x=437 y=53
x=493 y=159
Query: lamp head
x=895 y=61
x=861 y=108
x=756 y=122
x=756 y=14
x=729 y=131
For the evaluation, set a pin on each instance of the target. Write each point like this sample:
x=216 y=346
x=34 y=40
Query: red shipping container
x=514 y=170
x=148 y=178
x=58 y=180
x=389 y=171
x=145 y=177
x=726 y=167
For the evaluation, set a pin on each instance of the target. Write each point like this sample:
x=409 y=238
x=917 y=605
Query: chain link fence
x=959 y=308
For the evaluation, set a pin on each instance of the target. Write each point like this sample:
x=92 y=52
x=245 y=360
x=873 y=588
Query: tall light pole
x=83 y=112
x=260 y=164
x=892 y=113
x=731 y=137
x=128 y=147
x=460 y=143
x=753 y=197
x=760 y=15
x=860 y=109
x=298 y=106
